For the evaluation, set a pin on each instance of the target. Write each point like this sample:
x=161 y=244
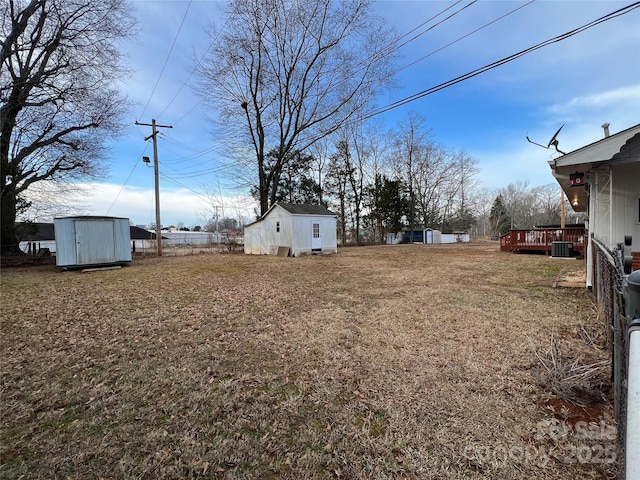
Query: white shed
x=432 y=236
x=92 y=241
x=302 y=228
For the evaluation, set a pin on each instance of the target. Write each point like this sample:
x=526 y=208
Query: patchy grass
x=411 y=362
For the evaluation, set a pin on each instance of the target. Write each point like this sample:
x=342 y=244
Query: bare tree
x=548 y=204
x=410 y=152
x=465 y=170
x=436 y=184
x=482 y=201
x=531 y=206
x=291 y=72
x=59 y=63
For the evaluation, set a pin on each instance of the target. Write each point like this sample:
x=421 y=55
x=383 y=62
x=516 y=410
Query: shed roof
x=306 y=209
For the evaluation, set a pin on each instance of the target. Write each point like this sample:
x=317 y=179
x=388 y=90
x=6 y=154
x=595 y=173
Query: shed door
x=316 y=239
x=95 y=242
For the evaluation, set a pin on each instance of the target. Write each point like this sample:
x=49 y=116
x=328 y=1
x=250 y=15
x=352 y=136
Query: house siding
x=626 y=192
x=614 y=208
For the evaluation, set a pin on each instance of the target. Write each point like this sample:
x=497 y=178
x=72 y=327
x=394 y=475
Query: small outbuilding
x=294 y=230
x=92 y=241
x=426 y=235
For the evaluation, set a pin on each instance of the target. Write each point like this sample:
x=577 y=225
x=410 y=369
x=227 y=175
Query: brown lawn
x=417 y=362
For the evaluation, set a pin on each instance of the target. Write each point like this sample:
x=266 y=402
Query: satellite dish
x=554 y=141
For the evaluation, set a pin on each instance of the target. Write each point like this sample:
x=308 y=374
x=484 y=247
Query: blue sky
x=582 y=82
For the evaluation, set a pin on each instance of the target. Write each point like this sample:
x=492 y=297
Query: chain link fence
x=608 y=280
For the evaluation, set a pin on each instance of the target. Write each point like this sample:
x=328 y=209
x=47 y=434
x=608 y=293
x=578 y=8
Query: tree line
x=378 y=182
x=293 y=87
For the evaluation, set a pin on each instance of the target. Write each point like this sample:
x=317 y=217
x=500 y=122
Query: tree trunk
x=8 y=241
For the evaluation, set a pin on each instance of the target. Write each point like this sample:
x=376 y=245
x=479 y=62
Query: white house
x=303 y=229
x=603 y=179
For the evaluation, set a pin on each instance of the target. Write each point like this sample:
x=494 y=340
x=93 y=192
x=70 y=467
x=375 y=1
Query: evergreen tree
x=388 y=205
x=499 y=219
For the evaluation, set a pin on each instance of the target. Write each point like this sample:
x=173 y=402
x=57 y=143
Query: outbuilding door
x=95 y=242
x=316 y=238
x=428 y=236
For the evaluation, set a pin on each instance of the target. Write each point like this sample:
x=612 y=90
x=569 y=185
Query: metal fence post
x=632 y=427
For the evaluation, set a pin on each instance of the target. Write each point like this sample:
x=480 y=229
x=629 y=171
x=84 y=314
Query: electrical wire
x=181 y=185
x=393 y=47
x=503 y=61
x=175 y=38
x=127 y=179
x=184 y=83
x=463 y=37
x=435 y=25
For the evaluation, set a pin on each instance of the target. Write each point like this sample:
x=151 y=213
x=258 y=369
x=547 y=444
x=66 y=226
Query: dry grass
x=416 y=362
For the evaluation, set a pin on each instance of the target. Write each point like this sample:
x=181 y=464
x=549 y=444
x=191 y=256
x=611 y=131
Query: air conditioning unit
x=561 y=249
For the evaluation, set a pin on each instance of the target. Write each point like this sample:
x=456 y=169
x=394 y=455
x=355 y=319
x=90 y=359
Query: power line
x=184 y=83
x=464 y=36
x=478 y=71
x=127 y=180
x=437 y=24
x=175 y=38
x=393 y=47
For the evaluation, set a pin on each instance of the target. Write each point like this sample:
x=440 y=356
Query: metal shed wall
x=84 y=241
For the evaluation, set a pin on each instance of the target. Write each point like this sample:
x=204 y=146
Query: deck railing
x=540 y=239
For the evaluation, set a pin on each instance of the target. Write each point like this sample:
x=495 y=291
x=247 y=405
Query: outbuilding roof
x=296 y=209
x=305 y=209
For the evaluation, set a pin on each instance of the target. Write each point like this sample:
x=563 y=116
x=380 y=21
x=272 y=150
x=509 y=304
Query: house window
x=316 y=230
x=278 y=227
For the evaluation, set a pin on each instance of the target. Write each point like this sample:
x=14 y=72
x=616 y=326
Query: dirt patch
x=573 y=276
x=408 y=361
x=572 y=414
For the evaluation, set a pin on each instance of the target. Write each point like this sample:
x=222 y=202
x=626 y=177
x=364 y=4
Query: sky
x=582 y=82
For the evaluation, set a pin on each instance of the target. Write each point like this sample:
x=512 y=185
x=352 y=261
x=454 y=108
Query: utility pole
x=217 y=236
x=156 y=172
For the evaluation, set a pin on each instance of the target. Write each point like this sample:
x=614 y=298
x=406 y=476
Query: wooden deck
x=540 y=239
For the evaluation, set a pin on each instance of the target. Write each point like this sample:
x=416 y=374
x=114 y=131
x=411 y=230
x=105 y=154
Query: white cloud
x=138 y=204
x=624 y=101
x=582 y=116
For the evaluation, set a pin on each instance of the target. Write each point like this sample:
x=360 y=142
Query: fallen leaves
x=367 y=364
